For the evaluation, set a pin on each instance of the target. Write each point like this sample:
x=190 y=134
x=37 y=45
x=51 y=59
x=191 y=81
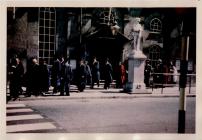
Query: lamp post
x=183 y=70
x=183 y=82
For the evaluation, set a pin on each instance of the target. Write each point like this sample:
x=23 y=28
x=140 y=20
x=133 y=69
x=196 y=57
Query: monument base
x=135 y=82
x=136 y=88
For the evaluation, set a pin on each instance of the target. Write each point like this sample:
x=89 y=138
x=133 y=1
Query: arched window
x=156 y=25
x=154 y=54
x=47 y=23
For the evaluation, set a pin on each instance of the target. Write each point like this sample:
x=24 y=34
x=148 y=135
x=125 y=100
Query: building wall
x=24 y=41
x=23 y=38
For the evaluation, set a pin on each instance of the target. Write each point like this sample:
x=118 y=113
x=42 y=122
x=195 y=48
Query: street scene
x=101 y=70
x=102 y=114
x=100 y=111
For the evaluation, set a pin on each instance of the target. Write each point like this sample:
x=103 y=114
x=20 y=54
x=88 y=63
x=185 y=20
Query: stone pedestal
x=136 y=63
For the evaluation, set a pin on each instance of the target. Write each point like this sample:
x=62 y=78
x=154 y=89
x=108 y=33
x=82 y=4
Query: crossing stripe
x=23 y=117
x=28 y=127
x=15 y=105
x=19 y=110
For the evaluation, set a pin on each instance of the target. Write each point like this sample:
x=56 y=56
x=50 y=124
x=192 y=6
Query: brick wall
x=25 y=36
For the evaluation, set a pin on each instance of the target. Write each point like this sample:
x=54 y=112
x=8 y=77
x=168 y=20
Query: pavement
x=101 y=93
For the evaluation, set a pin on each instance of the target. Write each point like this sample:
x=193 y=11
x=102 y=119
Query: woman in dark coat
x=107 y=74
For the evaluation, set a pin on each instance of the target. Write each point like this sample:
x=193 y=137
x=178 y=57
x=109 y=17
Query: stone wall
x=25 y=38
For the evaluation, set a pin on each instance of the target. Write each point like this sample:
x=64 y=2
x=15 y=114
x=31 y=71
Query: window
x=156 y=25
x=154 y=54
x=47 y=23
x=104 y=18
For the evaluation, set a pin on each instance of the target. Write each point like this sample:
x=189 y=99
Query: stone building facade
x=82 y=33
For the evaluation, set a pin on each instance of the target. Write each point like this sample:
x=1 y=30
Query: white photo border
x=98 y=3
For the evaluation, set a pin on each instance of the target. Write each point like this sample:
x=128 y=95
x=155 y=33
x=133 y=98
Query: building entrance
x=103 y=45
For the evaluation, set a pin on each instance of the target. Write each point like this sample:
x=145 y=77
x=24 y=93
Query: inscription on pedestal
x=137 y=62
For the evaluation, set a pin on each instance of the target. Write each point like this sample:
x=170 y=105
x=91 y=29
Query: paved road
x=136 y=115
x=23 y=119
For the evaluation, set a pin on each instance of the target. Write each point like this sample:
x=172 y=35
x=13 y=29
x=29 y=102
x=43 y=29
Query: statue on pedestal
x=136 y=61
x=136 y=35
x=137 y=29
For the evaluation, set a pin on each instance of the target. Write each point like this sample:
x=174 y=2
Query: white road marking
x=19 y=110
x=15 y=105
x=28 y=127
x=23 y=117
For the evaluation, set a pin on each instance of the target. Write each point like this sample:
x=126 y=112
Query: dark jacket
x=44 y=77
x=96 y=71
x=55 y=73
x=108 y=72
x=66 y=72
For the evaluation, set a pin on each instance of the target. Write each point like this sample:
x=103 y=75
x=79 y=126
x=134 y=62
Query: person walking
x=147 y=73
x=15 y=76
x=44 y=76
x=121 y=75
x=88 y=74
x=55 y=74
x=158 y=76
x=66 y=77
x=170 y=70
x=107 y=74
x=33 y=78
x=95 y=73
x=81 y=76
x=175 y=75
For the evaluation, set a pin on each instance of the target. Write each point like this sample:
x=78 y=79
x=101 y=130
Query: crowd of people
x=161 y=73
x=39 y=77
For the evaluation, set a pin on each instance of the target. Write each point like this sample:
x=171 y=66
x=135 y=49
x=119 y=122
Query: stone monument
x=136 y=62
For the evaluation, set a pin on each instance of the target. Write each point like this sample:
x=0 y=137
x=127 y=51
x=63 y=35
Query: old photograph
x=101 y=70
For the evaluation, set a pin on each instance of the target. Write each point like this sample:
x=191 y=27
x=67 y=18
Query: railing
x=191 y=81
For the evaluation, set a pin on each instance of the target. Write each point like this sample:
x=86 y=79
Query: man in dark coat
x=16 y=74
x=147 y=72
x=56 y=75
x=66 y=77
x=81 y=76
x=95 y=73
x=44 y=76
x=35 y=77
x=33 y=85
x=107 y=74
x=158 y=78
x=88 y=74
